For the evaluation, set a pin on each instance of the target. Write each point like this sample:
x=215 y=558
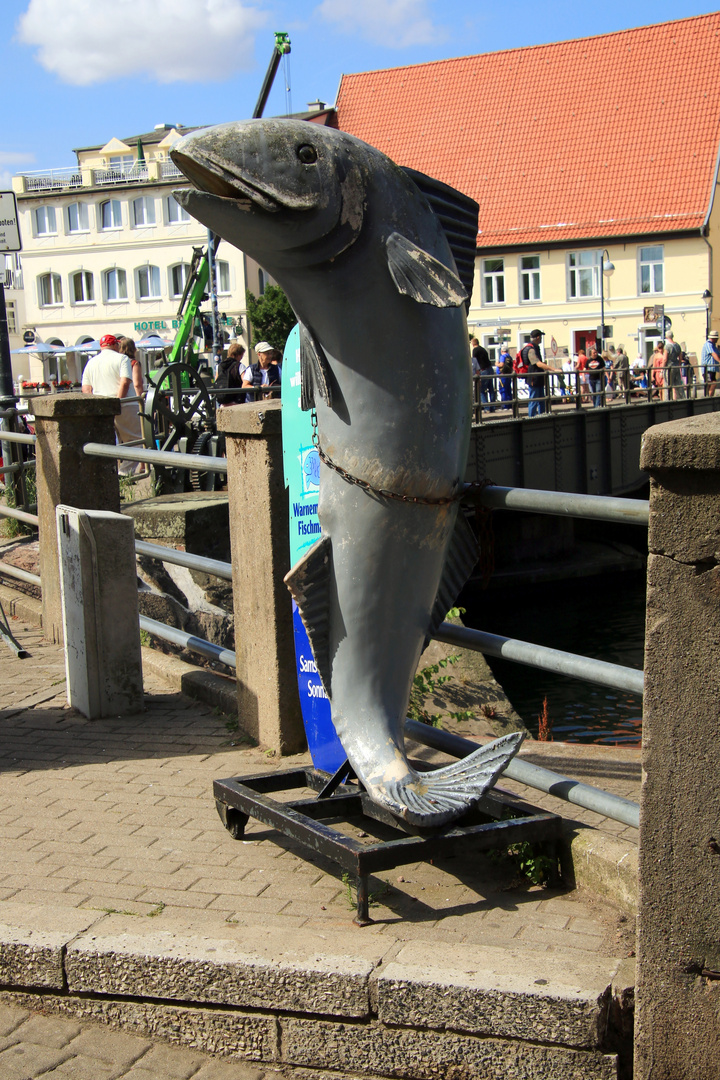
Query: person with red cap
x=109 y=374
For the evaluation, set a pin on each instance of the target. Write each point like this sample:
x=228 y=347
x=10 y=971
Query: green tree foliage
x=271 y=316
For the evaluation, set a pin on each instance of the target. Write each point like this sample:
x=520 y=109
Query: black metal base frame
x=487 y=826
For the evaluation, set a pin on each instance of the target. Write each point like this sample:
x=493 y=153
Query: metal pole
x=535 y=776
x=540 y=656
x=188 y=641
x=213 y=242
x=7 y=396
x=562 y=504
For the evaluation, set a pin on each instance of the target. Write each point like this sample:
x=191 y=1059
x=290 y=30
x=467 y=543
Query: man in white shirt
x=109 y=374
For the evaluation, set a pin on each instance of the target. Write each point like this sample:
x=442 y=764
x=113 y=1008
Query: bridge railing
x=535 y=393
x=527 y=653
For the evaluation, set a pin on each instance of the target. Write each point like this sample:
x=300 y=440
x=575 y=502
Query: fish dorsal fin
x=421 y=276
x=458 y=215
x=313 y=371
x=463 y=553
x=309 y=582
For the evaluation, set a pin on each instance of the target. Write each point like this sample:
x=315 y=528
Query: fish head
x=286 y=192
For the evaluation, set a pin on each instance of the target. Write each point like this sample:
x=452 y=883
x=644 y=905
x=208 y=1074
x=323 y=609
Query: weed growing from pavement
x=373 y=897
x=426 y=684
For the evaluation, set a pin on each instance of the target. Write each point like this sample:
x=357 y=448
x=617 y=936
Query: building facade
x=107 y=249
x=578 y=160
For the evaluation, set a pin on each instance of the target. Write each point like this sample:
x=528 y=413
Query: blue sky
x=77 y=72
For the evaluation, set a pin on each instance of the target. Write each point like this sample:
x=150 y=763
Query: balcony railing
x=120 y=174
x=169 y=170
x=52 y=179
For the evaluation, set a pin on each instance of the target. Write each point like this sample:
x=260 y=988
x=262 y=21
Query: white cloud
x=85 y=42
x=394 y=23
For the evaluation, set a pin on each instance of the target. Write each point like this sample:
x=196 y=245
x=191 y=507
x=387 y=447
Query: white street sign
x=9 y=228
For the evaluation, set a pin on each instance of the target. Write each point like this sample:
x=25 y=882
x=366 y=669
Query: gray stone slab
x=430 y=1055
x=256 y=967
x=33 y=939
x=235 y=1035
x=498 y=992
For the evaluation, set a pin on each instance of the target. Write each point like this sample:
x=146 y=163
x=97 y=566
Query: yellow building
x=107 y=249
x=599 y=145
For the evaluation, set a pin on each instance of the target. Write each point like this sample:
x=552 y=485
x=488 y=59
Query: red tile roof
x=607 y=136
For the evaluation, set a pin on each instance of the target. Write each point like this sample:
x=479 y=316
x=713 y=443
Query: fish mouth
x=216 y=178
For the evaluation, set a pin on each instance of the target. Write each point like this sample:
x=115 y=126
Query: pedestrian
x=672 y=357
x=622 y=370
x=505 y=370
x=109 y=374
x=710 y=363
x=658 y=369
x=482 y=368
x=230 y=375
x=264 y=372
x=595 y=368
x=581 y=369
x=128 y=348
x=532 y=358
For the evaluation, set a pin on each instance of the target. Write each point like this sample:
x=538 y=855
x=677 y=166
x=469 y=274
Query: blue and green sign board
x=302 y=479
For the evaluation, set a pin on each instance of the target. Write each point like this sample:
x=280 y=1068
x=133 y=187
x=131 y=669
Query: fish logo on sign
x=310 y=464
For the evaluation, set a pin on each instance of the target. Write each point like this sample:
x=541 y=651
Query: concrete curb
x=606 y=865
x=286 y=999
x=198 y=683
x=21 y=606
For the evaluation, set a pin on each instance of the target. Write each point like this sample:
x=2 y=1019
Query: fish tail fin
x=438 y=797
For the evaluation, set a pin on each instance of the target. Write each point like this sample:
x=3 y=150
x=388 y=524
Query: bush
x=271 y=316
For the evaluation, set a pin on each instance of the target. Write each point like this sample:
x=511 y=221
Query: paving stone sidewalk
x=36 y=1047
x=116 y=819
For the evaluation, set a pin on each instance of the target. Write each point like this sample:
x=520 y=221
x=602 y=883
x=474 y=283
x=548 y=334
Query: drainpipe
x=705 y=225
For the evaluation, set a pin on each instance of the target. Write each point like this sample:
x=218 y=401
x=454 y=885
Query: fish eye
x=307 y=154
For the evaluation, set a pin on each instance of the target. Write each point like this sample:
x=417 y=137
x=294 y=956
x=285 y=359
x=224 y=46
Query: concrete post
x=678 y=993
x=98 y=577
x=268 y=701
x=64 y=423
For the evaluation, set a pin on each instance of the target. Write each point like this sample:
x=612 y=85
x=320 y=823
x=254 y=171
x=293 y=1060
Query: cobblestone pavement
x=33 y=1046
x=117 y=816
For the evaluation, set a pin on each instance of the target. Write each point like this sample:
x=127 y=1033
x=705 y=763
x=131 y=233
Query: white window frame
x=87 y=287
x=55 y=289
x=531 y=275
x=172 y=206
x=83 y=219
x=148 y=212
x=153 y=276
x=48 y=216
x=117 y=271
x=222 y=269
x=112 y=203
x=494 y=278
x=594 y=268
x=185 y=267
x=652 y=263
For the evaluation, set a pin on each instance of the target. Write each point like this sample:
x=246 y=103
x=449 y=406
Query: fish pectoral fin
x=421 y=276
x=309 y=584
x=462 y=556
x=314 y=370
x=437 y=797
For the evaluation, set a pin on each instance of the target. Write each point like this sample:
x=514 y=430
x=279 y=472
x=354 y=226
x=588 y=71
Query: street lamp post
x=707 y=299
x=608 y=269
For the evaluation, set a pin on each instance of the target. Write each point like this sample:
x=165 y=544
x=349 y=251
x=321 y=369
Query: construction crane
x=201 y=278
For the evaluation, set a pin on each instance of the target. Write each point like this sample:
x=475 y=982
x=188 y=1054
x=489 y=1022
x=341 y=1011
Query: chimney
x=316 y=106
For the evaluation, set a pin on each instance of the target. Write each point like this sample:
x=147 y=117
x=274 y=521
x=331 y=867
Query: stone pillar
x=64 y=423
x=268 y=701
x=678 y=991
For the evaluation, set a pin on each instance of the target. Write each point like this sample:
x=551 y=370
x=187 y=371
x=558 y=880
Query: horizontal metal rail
x=562 y=504
x=196 y=462
x=184 y=558
x=21 y=515
x=17 y=436
x=188 y=641
x=21 y=575
x=540 y=656
x=535 y=776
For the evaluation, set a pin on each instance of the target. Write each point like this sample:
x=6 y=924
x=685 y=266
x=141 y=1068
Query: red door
x=583 y=340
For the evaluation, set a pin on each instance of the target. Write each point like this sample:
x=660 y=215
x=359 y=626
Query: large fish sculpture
x=367 y=254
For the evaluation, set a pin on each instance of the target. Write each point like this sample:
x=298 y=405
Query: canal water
x=602 y=617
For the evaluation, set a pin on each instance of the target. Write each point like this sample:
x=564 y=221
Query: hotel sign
x=9 y=228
